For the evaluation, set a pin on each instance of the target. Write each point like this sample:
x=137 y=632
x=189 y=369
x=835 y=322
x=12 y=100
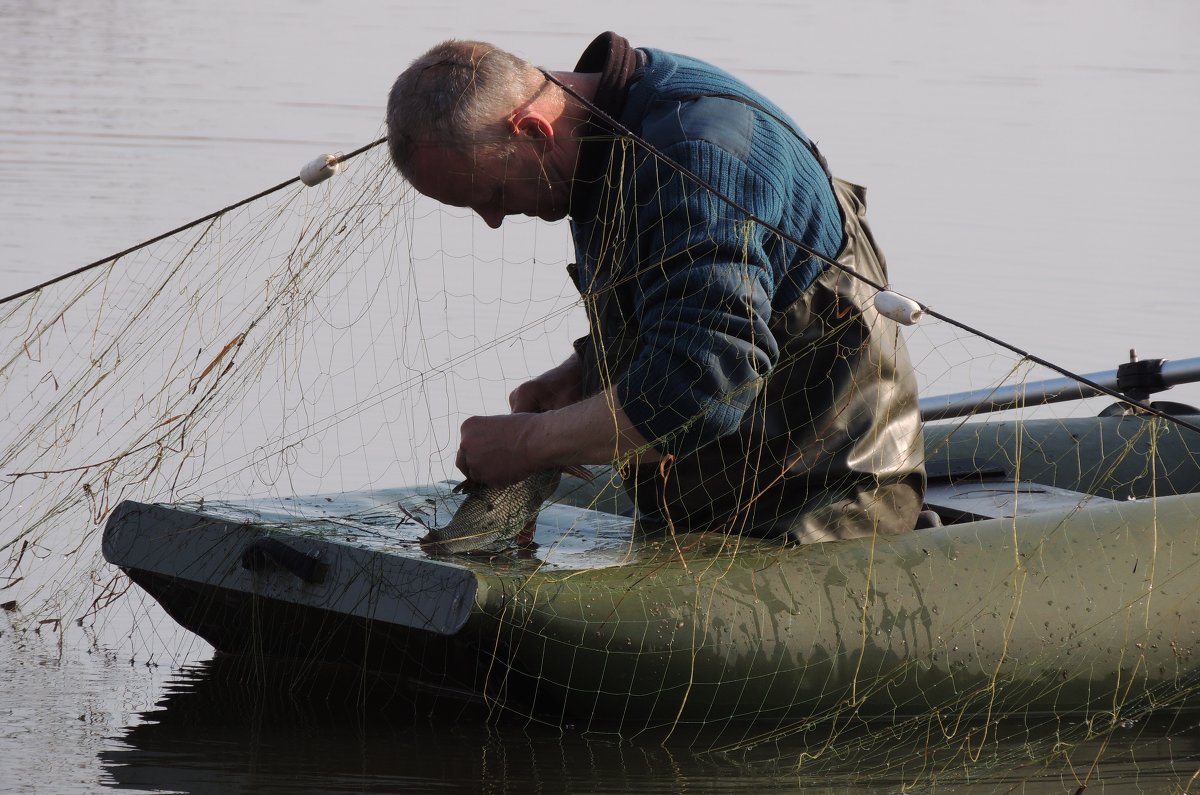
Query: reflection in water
x=259 y=727
x=244 y=725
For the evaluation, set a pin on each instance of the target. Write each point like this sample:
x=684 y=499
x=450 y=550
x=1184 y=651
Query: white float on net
x=899 y=308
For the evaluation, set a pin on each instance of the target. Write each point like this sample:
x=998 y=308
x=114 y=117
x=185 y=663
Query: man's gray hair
x=457 y=96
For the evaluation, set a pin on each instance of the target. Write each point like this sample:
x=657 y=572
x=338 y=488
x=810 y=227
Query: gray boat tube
x=1053 y=390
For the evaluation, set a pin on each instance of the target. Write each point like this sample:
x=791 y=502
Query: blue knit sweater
x=697 y=282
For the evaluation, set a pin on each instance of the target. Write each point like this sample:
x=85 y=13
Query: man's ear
x=532 y=125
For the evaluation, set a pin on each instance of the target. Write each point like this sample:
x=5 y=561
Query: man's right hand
x=553 y=389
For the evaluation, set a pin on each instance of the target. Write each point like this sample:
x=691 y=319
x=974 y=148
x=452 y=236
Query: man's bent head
x=474 y=126
x=457 y=96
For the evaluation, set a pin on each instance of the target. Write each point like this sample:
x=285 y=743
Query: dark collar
x=616 y=61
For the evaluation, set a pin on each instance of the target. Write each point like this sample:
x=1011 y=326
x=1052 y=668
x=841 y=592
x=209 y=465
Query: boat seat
x=963 y=491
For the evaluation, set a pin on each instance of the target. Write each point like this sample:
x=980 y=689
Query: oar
x=1137 y=380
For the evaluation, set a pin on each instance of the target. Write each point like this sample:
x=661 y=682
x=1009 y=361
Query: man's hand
x=495 y=449
x=501 y=449
x=553 y=389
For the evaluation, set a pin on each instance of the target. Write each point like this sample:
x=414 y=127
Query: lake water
x=1032 y=172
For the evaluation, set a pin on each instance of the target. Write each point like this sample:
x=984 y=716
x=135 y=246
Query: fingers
x=460 y=461
x=536 y=396
x=516 y=399
x=531 y=396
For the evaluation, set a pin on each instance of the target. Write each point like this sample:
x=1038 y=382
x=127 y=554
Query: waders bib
x=831 y=447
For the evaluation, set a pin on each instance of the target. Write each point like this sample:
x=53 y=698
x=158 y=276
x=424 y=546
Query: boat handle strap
x=259 y=553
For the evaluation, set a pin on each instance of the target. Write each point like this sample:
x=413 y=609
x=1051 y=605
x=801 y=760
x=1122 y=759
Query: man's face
x=492 y=185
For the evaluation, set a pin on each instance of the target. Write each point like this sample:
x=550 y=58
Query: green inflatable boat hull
x=1066 y=578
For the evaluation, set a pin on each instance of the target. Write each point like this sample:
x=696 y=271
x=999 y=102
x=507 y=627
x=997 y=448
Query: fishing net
x=329 y=341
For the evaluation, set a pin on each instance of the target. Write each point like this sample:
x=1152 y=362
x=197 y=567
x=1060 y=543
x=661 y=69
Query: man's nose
x=492 y=218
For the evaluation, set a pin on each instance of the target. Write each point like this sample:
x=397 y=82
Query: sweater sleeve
x=701 y=294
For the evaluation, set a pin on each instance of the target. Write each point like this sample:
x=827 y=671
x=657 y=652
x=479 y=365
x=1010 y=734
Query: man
x=742 y=380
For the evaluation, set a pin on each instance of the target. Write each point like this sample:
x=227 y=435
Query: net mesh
x=329 y=341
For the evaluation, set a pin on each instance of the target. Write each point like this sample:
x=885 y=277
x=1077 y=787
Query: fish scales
x=493 y=516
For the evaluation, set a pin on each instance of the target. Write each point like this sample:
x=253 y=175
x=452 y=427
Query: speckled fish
x=492 y=518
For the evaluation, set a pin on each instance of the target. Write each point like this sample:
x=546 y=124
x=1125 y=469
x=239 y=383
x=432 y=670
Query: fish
x=492 y=518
